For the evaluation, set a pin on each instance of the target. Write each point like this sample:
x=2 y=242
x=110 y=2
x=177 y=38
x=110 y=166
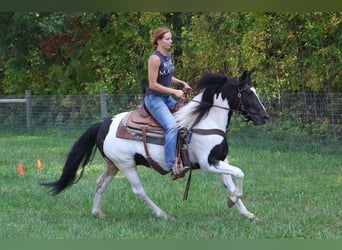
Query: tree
x=79 y=52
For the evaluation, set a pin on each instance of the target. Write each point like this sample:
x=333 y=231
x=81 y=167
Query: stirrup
x=179 y=171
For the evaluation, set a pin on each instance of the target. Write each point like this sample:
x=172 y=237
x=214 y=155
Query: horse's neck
x=217 y=116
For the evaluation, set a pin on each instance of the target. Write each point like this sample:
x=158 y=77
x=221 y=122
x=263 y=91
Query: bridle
x=241 y=107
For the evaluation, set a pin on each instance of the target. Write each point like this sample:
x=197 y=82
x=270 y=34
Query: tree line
x=81 y=53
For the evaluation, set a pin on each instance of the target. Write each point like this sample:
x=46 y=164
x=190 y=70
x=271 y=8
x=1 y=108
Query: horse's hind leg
x=108 y=174
x=229 y=184
x=133 y=177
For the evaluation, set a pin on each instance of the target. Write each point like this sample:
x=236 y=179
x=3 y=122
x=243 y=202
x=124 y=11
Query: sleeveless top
x=165 y=73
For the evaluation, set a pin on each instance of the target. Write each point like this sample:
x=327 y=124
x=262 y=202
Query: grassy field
x=296 y=193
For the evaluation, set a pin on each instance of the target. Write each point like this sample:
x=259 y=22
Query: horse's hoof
x=168 y=217
x=252 y=217
x=256 y=219
x=99 y=214
x=230 y=202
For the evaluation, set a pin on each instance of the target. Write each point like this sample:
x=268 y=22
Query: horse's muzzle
x=259 y=119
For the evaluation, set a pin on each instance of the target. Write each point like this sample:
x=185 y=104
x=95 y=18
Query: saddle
x=140 y=125
x=141 y=118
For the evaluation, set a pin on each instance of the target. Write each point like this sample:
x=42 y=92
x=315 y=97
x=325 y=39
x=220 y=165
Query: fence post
x=28 y=97
x=103 y=103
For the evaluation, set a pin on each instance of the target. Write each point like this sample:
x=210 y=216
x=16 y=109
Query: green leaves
x=81 y=52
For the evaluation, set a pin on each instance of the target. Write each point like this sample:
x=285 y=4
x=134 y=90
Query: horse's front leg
x=223 y=167
x=229 y=184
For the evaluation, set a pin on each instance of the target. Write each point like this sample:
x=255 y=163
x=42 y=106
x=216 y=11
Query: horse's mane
x=212 y=84
x=193 y=112
x=211 y=80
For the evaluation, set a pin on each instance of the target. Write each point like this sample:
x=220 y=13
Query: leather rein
x=240 y=109
x=219 y=131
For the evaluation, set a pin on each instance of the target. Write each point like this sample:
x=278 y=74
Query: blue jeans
x=159 y=107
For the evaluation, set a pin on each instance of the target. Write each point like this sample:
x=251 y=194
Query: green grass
x=296 y=193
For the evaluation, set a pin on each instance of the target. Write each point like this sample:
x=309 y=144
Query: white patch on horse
x=254 y=91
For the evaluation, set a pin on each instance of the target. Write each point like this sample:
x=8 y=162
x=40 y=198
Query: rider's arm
x=153 y=67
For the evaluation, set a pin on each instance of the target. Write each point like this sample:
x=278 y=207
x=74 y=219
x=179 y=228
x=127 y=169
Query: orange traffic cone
x=39 y=165
x=20 y=169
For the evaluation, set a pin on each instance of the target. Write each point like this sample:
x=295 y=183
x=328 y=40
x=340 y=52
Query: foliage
x=80 y=52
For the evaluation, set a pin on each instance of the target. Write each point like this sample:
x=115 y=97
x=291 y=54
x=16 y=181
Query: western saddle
x=141 y=126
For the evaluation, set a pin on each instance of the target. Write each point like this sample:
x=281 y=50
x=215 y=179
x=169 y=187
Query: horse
x=206 y=116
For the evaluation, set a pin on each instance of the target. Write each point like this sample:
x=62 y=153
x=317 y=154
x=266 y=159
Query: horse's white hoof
x=252 y=217
x=167 y=217
x=99 y=214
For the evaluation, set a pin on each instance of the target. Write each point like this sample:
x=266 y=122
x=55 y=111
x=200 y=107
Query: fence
x=26 y=101
x=61 y=111
x=318 y=115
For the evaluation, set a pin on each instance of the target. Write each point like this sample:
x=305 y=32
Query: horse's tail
x=80 y=154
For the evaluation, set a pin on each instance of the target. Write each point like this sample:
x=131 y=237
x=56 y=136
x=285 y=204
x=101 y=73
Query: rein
x=240 y=109
x=228 y=109
x=213 y=105
x=212 y=132
x=241 y=106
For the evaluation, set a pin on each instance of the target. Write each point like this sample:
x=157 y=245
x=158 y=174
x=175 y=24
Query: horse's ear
x=245 y=75
x=251 y=71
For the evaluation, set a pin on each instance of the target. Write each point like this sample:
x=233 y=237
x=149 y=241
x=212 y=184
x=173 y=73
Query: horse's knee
x=240 y=174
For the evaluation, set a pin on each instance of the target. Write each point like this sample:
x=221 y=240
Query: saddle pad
x=126 y=133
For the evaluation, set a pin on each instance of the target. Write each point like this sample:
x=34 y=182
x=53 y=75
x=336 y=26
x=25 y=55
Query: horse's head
x=248 y=103
x=235 y=94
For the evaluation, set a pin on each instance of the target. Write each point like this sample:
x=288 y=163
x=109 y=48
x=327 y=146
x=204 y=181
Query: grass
x=296 y=194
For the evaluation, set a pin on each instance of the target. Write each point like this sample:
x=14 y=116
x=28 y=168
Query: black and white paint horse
x=209 y=111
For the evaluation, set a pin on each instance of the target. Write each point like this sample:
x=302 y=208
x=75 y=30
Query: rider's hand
x=179 y=93
x=187 y=86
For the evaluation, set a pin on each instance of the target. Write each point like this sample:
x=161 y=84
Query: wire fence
x=295 y=115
